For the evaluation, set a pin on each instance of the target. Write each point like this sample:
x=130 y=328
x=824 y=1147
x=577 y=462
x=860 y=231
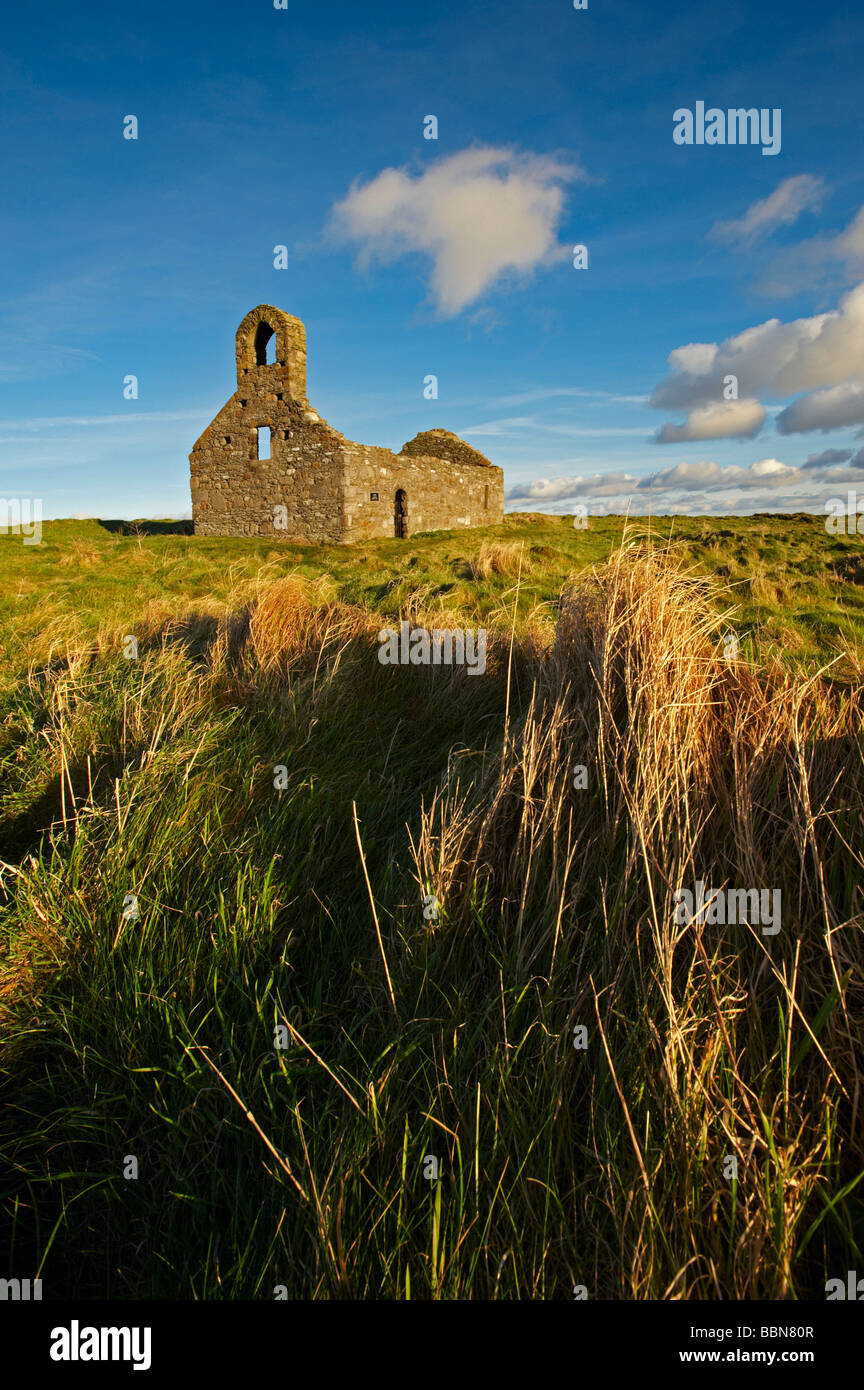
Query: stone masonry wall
x=236 y=494
x=440 y=495
x=331 y=489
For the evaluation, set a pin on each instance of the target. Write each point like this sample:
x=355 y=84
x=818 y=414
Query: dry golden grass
x=767 y=591
x=507 y=558
x=699 y=768
x=79 y=554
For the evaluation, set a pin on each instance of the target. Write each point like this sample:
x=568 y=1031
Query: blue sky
x=261 y=127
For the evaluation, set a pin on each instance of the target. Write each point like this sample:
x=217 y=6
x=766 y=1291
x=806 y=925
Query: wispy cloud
x=33 y=358
x=818 y=260
x=545 y=393
x=40 y=422
x=794 y=196
x=515 y=424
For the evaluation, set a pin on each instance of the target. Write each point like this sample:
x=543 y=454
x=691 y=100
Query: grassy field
x=795 y=591
x=289 y=908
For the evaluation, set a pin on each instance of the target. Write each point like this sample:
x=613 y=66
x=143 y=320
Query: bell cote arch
x=255 y=343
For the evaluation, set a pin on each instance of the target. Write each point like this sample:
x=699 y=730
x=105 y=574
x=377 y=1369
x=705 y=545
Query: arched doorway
x=400 y=514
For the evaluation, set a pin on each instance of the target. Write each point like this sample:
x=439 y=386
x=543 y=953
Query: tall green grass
x=408 y=1038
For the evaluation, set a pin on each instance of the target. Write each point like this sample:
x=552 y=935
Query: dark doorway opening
x=400 y=515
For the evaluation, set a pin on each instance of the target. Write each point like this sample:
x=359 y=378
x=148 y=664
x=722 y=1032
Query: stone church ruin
x=270 y=465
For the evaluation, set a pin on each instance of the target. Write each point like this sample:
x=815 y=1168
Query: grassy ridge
x=796 y=590
x=302 y=908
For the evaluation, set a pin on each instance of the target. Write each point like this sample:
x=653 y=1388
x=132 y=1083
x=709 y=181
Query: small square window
x=373 y=496
x=227 y=439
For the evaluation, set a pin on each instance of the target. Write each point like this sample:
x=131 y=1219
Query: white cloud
x=700 y=488
x=740 y=419
x=557 y=489
x=803 y=193
x=830 y=409
x=776 y=358
x=773 y=357
x=477 y=215
x=705 y=475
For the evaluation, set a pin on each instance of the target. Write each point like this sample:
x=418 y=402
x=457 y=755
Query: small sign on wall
x=373 y=496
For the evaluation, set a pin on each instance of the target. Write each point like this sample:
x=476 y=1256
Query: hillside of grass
x=283 y=1033
x=793 y=591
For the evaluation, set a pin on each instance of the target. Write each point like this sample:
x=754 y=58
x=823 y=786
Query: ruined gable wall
x=235 y=494
x=323 y=481
x=441 y=495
